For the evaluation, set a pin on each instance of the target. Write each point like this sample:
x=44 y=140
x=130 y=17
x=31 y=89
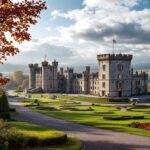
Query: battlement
x=114 y=57
x=44 y=63
x=140 y=74
x=70 y=70
x=55 y=63
x=33 y=65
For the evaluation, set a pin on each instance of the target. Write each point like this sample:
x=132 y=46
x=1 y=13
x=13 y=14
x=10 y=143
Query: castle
x=115 y=78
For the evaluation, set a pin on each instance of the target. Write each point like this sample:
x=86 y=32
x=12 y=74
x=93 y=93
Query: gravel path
x=93 y=138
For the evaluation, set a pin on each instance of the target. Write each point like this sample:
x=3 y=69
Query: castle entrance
x=120 y=93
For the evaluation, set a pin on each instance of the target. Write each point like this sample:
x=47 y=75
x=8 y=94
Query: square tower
x=115 y=75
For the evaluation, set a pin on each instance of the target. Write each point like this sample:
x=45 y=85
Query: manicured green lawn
x=47 y=96
x=30 y=130
x=95 y=118
x=141 y=109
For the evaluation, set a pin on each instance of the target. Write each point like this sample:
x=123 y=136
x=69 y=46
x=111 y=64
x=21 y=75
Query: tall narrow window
x=104 y=67
x=103 y=76
x=103 y=85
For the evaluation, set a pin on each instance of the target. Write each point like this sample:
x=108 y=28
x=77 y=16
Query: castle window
x=103 y=85
x=104 y=67
x=119 y=85
x=103 y=76
x=120 y=67
x=103 y=93
x=120 y=76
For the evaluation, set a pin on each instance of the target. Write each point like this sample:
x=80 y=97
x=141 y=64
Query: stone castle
x=115 y=78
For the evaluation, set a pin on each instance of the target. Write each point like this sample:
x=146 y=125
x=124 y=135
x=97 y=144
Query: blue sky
x=75 y=31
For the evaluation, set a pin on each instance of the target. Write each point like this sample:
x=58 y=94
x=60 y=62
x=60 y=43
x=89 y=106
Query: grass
x=47 y=96
x=95 y=118
x=140 y=109
x=41 y=133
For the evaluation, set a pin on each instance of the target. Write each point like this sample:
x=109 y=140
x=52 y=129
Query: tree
x=18 y=77
x=4 y=107
x=25 y=84
x=15 y=20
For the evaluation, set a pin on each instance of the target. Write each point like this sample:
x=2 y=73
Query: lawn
x=95 y=118
x=76 y=98
x=34 y=131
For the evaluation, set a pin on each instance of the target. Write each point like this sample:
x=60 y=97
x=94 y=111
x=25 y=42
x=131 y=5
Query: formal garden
x=123 y=118
x=16 y=135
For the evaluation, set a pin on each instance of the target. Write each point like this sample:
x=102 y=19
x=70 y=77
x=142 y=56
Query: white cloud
x=102 y=20
x=93 y=29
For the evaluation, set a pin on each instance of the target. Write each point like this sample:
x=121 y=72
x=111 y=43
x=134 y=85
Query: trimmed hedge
x=117 y=100
x=122 y=117
x=18 y=138
x=77 y=109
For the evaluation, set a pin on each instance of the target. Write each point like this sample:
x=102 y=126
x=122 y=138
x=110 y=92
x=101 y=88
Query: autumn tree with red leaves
x=15 y=20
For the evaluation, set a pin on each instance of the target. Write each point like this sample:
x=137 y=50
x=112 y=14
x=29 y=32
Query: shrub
x=53 y=97
x=122 y=117
x=4 y=107
x=12 y=138
x=12 y=110
x=122 y=100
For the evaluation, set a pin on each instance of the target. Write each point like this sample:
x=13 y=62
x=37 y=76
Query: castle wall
x=114 y=78
x=139 y=84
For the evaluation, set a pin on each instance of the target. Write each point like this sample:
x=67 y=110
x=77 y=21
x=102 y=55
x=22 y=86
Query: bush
x=5 y=115
x=122 y=100
x=12 y=138
x=54 y=97
x=12 y=110
x=122 y=117
x=4 y=107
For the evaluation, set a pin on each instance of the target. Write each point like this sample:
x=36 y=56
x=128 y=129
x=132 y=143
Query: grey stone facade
x=115 y=78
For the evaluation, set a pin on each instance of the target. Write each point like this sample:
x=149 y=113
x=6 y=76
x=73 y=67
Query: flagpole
x=113 y=47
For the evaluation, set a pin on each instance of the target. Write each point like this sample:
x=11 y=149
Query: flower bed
x=145 y=126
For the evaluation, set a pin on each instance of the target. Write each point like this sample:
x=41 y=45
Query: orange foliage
x=16 y=18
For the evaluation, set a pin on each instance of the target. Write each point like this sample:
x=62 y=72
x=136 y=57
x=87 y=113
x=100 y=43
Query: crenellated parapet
x=45 y=64
x=70 y=70
x=114 y=57
x=55 y=63
x=140 y=74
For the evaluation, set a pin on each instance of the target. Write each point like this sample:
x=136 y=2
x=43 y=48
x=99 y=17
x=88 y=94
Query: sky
x=73 y=32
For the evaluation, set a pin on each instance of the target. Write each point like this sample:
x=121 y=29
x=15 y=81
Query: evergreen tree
x=4 y=107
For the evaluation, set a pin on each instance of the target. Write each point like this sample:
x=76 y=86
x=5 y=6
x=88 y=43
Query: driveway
x=93 y=138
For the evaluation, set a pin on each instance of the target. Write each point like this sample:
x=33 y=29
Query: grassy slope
x=40 y=132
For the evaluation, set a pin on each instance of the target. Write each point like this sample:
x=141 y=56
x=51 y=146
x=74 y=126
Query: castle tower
x=69 y=75
x=32 y=76
x=115 y=75
x=55 y=75
x=86 y=79
x=45 y=76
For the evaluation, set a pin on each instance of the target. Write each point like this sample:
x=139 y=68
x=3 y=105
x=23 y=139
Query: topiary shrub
x=4 y=107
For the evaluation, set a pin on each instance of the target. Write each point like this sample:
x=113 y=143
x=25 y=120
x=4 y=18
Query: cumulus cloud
x=37 y=49
x=100 y=21
x=92 y=30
